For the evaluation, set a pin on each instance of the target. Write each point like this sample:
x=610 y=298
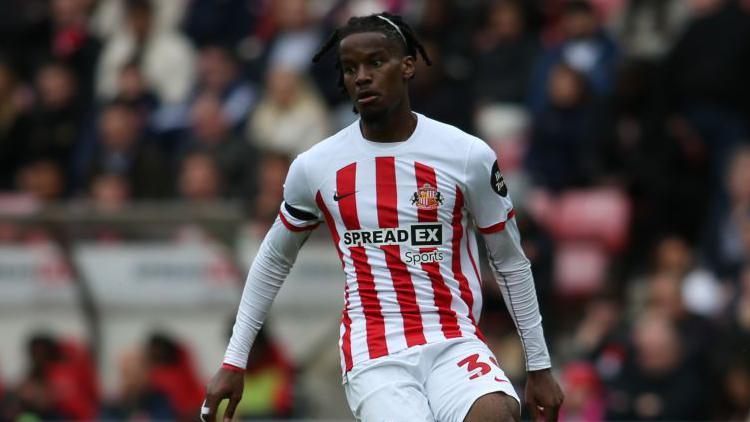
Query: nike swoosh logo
x=337 y=197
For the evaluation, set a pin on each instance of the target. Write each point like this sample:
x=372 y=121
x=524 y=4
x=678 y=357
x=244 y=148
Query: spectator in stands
x=56 y=118
x=72 y=42
x=14 y=126
x=505 y=54
x=61 y=381
x=584 y=393
x=35 y=394
x=211 y=133
x=731 y=357
x=658 y=159
x=665 y=294
x=133 y=90
x=598 y=332
x=136 y=398
x=290 y=117
x=586 y=48
x=271 y=175
x=166 y=58
x=42 y=179
x=110 y=192
x=707 y=82
x=561 y=150
x=199 y=179
x=218 y=74
x=121 y=149
x=730 y=249
x=286 y=35
x=699 y=291
x=658 y=383
x=171 y=373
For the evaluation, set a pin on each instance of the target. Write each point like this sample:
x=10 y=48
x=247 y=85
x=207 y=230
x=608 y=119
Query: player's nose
x=363 y=76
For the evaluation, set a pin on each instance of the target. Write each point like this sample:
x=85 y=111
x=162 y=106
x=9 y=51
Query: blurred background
x=143 y=147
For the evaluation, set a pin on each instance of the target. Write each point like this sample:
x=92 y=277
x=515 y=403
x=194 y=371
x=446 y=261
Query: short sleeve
x=487 y=194
x=298 y=211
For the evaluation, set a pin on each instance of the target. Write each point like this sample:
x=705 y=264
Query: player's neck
x=395 y=126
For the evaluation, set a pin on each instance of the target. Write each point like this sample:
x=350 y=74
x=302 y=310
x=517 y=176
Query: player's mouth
x=366 y=97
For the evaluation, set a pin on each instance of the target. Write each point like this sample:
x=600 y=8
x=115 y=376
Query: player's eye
x=377 y=63
x=348 y=70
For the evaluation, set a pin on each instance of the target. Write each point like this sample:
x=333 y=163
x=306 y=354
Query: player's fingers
x=205 y=411
x=208 y=409
x=533 y=409
x=233 y=402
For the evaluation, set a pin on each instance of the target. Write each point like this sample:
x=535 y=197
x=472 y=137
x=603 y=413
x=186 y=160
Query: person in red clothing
x=61 y=382
x=171 y=373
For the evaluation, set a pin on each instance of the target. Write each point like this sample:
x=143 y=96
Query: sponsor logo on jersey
x=411 y=257
x=427 y=198
x=419 y=235
x=497 y=181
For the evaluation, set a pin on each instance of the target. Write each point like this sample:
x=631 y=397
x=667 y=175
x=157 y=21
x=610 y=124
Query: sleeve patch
x=497 y=182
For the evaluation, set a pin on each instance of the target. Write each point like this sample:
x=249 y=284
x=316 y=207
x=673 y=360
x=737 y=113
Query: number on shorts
x=472 y=363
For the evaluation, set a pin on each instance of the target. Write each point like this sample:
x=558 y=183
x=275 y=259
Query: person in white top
x=403 y=196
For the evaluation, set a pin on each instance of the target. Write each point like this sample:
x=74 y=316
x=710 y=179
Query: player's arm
x=271 y=266
x=512 y=272
x=489 y=202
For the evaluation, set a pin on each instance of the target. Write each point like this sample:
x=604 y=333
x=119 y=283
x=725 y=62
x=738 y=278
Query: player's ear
x=408 y=67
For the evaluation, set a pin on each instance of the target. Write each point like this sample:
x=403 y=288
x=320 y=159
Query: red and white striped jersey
x=402 y=216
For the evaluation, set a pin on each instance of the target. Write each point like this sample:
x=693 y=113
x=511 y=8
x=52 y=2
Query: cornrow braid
x=392 y=26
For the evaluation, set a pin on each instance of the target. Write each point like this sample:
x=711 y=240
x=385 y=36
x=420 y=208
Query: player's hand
x=543 y=395
x=225 y=384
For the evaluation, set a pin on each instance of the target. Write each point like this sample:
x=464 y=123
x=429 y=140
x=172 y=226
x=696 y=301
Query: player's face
x=375 y=73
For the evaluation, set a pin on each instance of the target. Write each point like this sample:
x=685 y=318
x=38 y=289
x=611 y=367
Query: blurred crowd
x=622 y=126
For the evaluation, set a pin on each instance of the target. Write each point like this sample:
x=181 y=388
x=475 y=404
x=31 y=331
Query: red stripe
x=374 y=325
x=346 y=338
x=443 y=297
x=294 y=228
x=387 y=197
x=458 y=233
x=232 y=368
x=499 y=226
x=385 y=175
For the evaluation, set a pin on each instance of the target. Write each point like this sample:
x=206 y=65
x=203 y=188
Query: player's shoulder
x=449 y=137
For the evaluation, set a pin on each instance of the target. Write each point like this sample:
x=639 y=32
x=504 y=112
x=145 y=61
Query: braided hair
x=390 y=25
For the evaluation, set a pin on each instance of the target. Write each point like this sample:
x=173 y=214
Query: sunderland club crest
x=427 y=198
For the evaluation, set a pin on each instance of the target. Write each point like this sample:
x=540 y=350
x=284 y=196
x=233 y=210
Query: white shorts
x=432 y=382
